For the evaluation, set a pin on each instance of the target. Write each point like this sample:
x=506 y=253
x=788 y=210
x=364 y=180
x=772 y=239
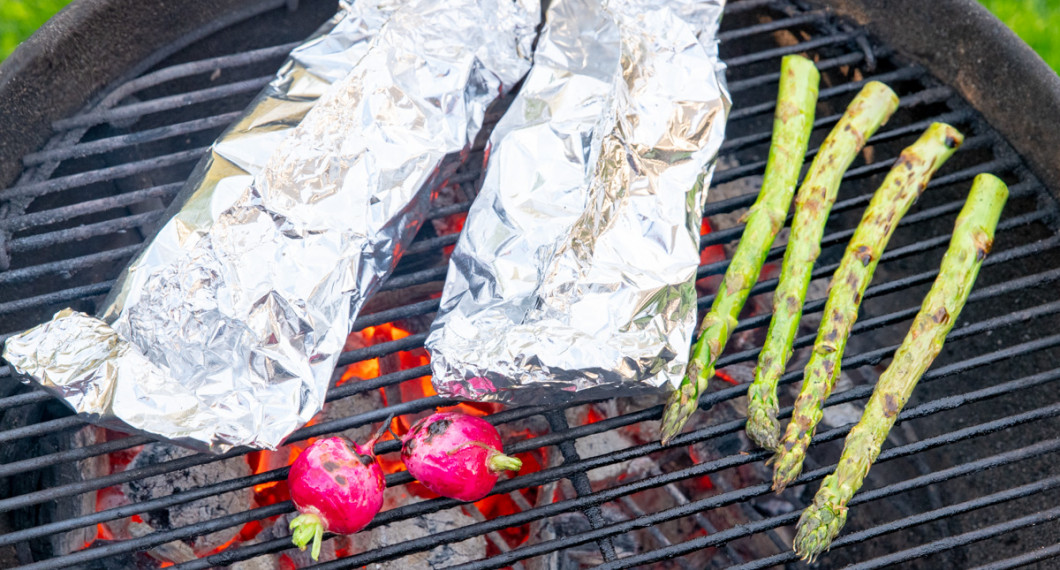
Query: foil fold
x=574 y=275
x=225 y=331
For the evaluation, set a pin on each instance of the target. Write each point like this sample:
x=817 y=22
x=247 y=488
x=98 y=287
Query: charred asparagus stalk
x=792 y=125
x=902 y=186
x=866 y=113
x=972 y=238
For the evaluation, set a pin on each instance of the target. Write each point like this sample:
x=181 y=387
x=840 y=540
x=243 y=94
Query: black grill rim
x=77 y=52
x=965 y=46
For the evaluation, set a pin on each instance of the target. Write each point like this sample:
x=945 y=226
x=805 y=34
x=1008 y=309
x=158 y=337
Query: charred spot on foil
x=437 y=428
x=340 y=479
x=330 y=466
x=365 y=460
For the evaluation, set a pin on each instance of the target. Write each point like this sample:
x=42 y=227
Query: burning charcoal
x=78 y=505
x=570 y=524
x=603 y=444
x=196 y=511
x=351 y=406
x=268 y=562
x=542 y=530
x=175 y=552
x=418 y=527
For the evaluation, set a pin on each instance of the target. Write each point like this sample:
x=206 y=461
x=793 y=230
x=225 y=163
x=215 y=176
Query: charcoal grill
x=100 y=127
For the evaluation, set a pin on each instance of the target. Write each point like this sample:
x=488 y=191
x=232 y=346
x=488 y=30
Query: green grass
x=1036 y=21
x=20 y=18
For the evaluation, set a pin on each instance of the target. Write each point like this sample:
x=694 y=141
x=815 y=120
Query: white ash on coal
x=441 y=556
x=183 y=514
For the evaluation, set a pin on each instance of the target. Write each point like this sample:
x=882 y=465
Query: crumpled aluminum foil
x=226 y=330
x=574 y=275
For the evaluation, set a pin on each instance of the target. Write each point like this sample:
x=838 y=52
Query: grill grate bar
x=772 y=26
x=122 y=142
x=773 y=78
x=60 y=237
x=38 y=429
x=37 y=189
x=59 y=297
x=75 y=454
x=776 y=53
x=202 y=66
x=960 y=540
x=68 y=265
x=64 y=213
x=1031 y=557
x=137 y=110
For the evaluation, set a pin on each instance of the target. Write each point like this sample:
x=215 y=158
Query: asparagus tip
x=817 y=528
x=763 y=428
x=679 y=408
x=787 y=465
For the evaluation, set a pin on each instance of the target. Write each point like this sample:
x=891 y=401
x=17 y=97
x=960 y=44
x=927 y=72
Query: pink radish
x=456 y=455
x=337 y=486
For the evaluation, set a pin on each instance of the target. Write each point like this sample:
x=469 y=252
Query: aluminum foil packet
x=226 y=330
x=574 y=275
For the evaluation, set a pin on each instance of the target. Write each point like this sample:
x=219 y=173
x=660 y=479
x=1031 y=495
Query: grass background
x=1036 y=21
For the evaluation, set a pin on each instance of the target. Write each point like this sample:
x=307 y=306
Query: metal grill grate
x=962 y=481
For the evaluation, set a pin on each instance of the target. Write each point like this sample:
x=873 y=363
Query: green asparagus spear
x=870 y=109
x=972 y=238
x=903 y=185
x=792 y=125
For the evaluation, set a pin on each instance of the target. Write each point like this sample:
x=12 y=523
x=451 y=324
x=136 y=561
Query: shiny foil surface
x=226 y=330
x=574 y=275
